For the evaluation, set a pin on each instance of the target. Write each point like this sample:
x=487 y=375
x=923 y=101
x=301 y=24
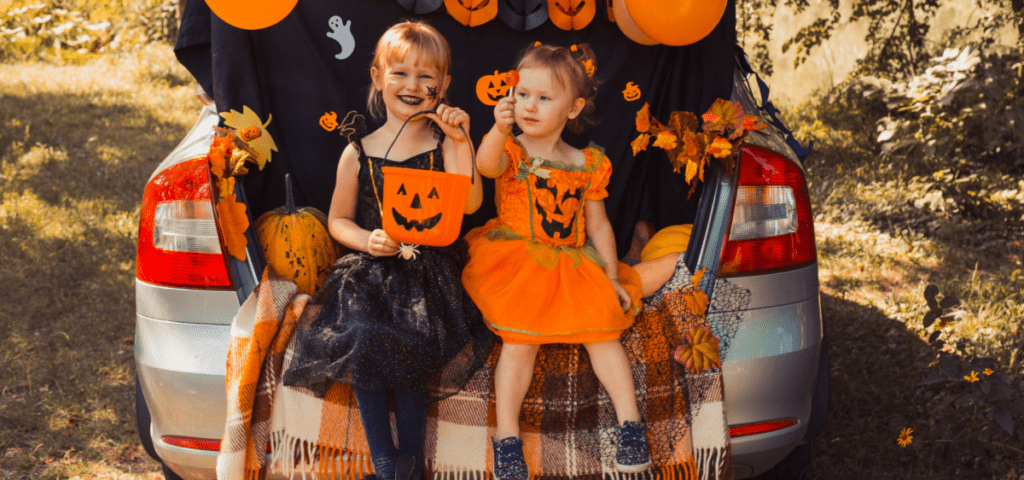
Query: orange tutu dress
x=531 y=271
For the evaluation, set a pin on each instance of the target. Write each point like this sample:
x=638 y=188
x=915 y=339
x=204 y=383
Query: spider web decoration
x=725 y=312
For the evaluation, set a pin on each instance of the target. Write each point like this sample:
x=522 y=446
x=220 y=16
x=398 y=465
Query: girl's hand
x=449 y=118
x=380 y=244
x=623 y=295
x=505 y=114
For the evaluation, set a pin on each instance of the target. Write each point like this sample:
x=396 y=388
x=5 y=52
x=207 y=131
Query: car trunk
x=289 y=74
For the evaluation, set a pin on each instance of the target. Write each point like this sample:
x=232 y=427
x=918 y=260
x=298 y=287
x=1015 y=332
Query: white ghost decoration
x=341 y=32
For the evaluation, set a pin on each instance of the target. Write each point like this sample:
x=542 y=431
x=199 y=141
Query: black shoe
x=509 y=462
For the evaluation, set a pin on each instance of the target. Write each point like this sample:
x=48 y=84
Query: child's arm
x=458 y=152
x=491 y=157
x=599 y=231
x=341 y=218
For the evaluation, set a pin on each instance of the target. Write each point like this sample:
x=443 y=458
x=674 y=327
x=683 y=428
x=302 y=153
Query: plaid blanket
x=568 y=422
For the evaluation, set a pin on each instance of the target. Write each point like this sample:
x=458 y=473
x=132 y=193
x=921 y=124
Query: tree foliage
x=896 y=34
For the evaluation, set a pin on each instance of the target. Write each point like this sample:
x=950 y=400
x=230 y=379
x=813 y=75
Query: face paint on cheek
x=432 y=93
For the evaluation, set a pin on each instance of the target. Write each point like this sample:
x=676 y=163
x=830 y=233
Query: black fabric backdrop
x=289 y=70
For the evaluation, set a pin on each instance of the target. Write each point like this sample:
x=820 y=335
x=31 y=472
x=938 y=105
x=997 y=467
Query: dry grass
x=879 y=244
x=77 y=145
x=78 y=142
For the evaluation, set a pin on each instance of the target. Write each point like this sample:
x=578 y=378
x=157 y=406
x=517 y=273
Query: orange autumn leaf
x=666 y=140
x=753 y=123
x=689 y=151
x=225 y=186
x=219 y=153
x=720 y=148
x=697 y=302
x=691 y=170
x=640 y=143
x=730 y=116
x=698 y=276
x=643 y=120
x=233 y=224
x=700 y=350
x=682 y=121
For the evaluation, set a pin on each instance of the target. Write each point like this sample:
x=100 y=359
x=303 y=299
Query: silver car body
x=770 y=369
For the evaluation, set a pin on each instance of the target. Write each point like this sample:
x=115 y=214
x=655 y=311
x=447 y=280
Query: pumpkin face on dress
x=571 y=14
x=557 y=210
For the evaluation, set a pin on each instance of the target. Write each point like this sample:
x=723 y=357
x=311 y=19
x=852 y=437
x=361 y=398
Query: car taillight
x=772 y=227
x=179 y=244
x=763 y=427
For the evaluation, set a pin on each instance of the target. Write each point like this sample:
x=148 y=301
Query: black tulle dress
x=383 y=322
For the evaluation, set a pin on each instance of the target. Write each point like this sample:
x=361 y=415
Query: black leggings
x=410 y=419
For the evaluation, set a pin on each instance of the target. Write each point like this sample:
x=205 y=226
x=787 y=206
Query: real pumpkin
x=296 y=244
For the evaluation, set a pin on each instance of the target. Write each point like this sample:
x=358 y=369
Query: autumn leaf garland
x=725 y=127
x=230 y=153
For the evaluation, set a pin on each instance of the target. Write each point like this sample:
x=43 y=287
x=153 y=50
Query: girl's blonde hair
x=573 y=68
x=393 y=46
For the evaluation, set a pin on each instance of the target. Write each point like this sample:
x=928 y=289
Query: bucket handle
x=472 y=151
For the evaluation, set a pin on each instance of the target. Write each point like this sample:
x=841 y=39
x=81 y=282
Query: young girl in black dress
x=386 y=323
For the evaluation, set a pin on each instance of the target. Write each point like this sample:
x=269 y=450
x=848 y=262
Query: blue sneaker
x=631 y=455
x=509 y=463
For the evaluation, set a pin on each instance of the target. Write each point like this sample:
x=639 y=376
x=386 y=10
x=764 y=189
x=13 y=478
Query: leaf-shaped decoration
x=643 y=119
x=682 y=121
x=697 y=277
x=692 y=168
x=233 y=224
x=666 y=140
x=730 y=116
x=700 y=352
x=219 y=153
x=263 y=143
x=225 y=186
x=720 y=148
x=689 y=151
x=753 y=123
x=697 y=302
x=640 y=143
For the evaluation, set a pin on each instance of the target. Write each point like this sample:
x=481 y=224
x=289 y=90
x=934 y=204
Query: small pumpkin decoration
x=329 y=121
x=632 y=92
x=571 y=14
x=423 y=207
x=490 y=88
x=296 y=243
x=472 y=12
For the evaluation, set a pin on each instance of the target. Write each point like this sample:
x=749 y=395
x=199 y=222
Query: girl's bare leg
x=611 y=365
x=512 y=379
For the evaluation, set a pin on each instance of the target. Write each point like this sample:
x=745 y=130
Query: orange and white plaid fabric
x=568 y=421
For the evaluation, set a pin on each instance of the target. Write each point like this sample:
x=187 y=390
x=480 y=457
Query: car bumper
x=769 y=374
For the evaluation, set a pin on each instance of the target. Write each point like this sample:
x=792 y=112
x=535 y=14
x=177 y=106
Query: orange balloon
x=627 y=26
x=676 y=22
x=251 y=14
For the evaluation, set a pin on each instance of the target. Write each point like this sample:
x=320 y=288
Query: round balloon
x=627 y=25
x=675 y=22
x=251 y=14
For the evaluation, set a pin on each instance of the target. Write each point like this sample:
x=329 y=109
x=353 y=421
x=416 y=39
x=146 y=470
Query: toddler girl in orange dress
x=546 y=270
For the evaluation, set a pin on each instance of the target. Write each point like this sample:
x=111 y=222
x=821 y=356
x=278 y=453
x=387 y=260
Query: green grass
x=77 y=144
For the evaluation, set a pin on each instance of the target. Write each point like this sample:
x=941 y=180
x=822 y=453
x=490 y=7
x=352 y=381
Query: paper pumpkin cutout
x=423 y=207
x=556 y=210
x=329 y=121
x=632 y=92
x=571 y=14
x=625 y=23
x=675 y=22
x=490 y=88
x=472 y=12
x=523 y=15
x=341 y=32
x=420 y=7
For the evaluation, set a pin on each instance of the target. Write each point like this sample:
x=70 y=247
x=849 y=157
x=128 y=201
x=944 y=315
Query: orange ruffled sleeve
x=599 y=182
x=515 y=153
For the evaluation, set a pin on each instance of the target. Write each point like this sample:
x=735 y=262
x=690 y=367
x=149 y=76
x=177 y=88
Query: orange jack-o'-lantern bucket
x=424 y=207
